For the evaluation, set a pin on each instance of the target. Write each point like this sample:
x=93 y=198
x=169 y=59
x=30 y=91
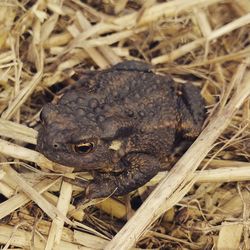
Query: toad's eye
x=84 y=148
x=41 y=116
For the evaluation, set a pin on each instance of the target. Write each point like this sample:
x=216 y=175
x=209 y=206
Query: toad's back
x=137 y=97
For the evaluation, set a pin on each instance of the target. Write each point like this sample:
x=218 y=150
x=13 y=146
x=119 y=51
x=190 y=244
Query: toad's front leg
x=139 y=168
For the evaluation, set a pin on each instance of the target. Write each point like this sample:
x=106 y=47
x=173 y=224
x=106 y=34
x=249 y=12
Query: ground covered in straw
x=46 y=45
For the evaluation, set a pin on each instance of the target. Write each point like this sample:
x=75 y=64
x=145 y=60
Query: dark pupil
x=41 y=116
x=84 y=148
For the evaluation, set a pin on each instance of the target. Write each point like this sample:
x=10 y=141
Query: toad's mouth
x=70 y=159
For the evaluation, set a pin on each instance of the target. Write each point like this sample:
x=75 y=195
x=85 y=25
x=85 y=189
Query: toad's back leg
x=192 y=111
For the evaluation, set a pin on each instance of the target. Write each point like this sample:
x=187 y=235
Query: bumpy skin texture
x=122 y=124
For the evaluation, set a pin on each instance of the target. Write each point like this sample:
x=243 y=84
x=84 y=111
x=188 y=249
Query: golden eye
x=83 y=148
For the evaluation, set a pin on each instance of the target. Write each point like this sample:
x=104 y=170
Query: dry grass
x=43 y=43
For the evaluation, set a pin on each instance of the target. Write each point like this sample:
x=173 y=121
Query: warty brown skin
x=122 y=124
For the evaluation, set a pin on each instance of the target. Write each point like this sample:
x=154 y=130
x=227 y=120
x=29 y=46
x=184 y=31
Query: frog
x=121 y=124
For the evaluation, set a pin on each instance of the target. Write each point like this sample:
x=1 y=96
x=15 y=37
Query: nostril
x=55 y=145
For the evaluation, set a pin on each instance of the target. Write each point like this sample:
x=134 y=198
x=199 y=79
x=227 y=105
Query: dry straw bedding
x=203 y=202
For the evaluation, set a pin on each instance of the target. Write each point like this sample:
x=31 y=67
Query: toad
x=121 y=124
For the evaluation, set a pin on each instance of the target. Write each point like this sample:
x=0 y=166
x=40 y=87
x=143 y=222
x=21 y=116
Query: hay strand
x=47 y=45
